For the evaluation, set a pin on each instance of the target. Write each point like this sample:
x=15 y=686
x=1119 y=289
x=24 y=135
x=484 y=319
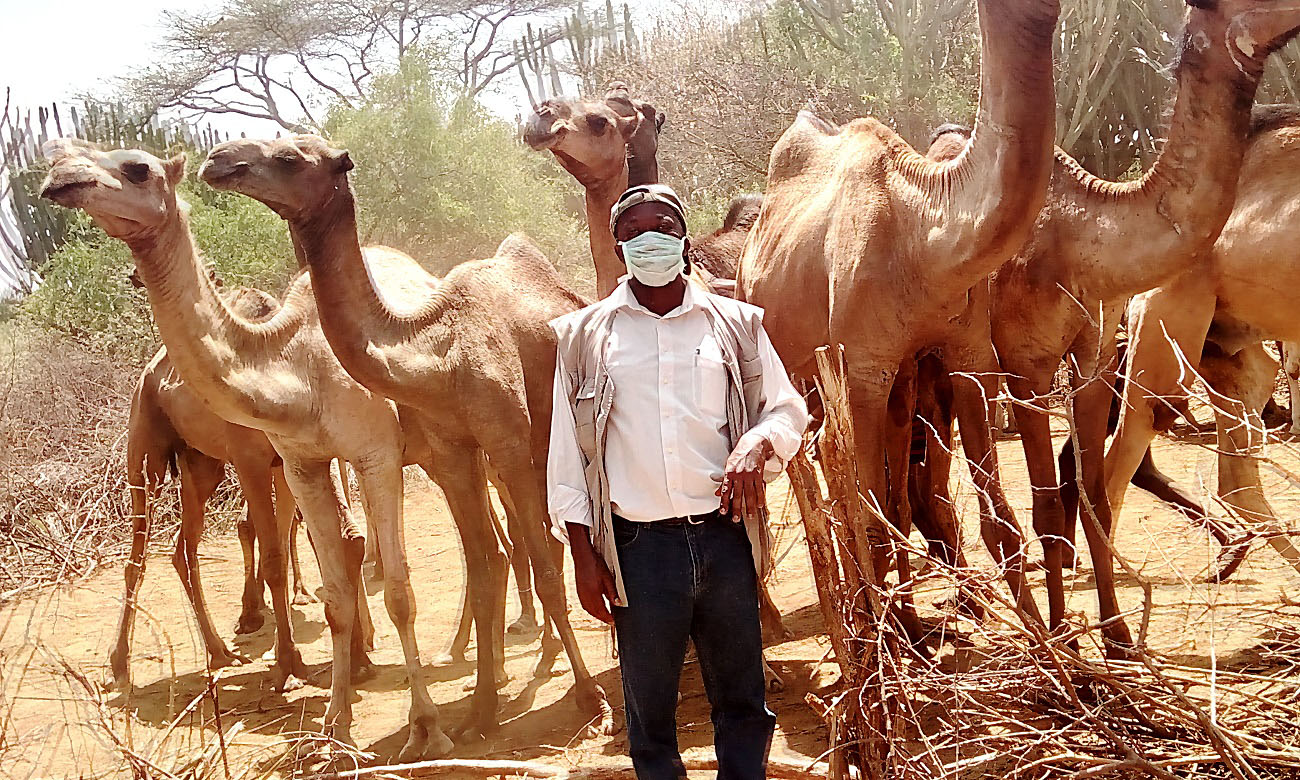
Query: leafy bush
x=438 y=177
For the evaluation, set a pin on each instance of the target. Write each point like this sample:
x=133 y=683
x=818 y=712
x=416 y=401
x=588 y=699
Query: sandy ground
x=52 y=726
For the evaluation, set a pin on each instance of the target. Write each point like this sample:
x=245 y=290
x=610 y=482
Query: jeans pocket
x=625 y=534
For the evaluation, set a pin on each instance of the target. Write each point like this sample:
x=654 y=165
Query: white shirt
x=666 y=442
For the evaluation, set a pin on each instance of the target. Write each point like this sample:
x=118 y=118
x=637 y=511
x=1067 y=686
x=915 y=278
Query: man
x=671 y=406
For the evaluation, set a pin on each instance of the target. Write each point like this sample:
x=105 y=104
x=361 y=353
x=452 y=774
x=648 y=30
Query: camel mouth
x=65 y=193
x=540 y=135
x=221 y=175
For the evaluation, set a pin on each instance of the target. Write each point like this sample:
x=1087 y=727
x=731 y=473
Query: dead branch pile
x=1002 y=700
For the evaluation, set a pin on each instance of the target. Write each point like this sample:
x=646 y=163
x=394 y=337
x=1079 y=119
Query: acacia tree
x=285 y=60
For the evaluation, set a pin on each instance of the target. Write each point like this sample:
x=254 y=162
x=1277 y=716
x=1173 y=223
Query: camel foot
x=424 y=741
x=302 y=598
x=772 y=680
x=482 y=722
x=290 y=674
x=1230 y=557
x=526 y=625
x=225 y=658
x=250 y=621
x=592 y=702
x=118 y=680
x=449 y=658
x=362 y=667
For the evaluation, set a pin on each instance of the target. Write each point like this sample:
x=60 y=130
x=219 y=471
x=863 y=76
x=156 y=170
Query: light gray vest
x=581 y=338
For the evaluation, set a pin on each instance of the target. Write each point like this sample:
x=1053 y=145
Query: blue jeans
x=693 y=581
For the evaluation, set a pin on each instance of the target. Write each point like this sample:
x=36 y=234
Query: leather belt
x=672 y=522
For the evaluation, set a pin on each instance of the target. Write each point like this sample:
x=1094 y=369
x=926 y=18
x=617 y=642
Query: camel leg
x=252 y=608
x=257 y=482
x=144 y=478
x=1180 y=312
x=1240 y=385
x=381 y=497
x=527 y=491
x=287 y=520
x=1290 y=351
x=1091 y=408
x=998 y=526
x=339 y=546
x=200 y=476
x=527 y=621
x=902 y=406
x=869 y=389
x=462 y=479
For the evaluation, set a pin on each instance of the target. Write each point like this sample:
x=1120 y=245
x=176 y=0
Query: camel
x=1290 y=351
x=281 y=378
x=1212 y=319
x=863 y=242
x=610 y=145
x=170 y=429
x=1095 y=244
x=473 y=355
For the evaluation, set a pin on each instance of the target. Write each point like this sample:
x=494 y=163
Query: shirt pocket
x=709 y=380
x=584 y=414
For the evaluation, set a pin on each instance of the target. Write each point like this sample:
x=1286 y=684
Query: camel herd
x=994 y=255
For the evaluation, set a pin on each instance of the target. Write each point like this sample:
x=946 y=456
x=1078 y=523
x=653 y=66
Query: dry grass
x=63 y=498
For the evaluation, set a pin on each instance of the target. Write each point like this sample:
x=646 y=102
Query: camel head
x=1251 y=29
x=129 y=193
x=592 y=139
x=293 y=175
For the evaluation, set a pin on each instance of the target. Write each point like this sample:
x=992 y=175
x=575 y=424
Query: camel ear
x=175 y=169
x=628 y=125
x=342 y=161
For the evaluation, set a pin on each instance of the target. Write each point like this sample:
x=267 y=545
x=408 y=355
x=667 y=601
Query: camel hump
x=520 y=246
x=743 y=212
x=821 y=125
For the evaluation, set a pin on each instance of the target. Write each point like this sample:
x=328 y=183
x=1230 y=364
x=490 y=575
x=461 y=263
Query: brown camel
x=473 y=355
x=170 y=429
x=279 y=377
x=610 y=145
x=1212 y=318
x=863 y=242
x=1095 y=244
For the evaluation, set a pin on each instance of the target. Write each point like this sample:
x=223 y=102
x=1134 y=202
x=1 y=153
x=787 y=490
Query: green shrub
x=438 y=177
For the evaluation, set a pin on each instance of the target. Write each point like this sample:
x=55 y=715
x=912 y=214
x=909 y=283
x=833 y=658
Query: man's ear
x=175 y=169
x=618 y=250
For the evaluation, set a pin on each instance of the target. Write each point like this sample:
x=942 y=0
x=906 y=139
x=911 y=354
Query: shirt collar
x=622 y=298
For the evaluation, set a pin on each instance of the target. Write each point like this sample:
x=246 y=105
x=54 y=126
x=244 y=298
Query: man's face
x=647 y=217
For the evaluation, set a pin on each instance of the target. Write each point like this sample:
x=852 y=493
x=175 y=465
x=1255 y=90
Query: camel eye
x=597 y=123
x=288 y=159
x=136 y=172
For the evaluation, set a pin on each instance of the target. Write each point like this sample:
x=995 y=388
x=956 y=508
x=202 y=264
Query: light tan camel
x=473 y=355
x=1095 y=244
x=279 y=377
x=170 y=429
x=610 y=145
x=863 y=242
x=1216 y=314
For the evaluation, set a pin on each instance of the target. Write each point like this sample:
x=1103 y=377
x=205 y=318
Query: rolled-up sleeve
x=567 y=500
x=784 y=415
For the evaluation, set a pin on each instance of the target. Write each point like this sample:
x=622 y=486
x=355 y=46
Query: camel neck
x=998 y=184
x=222 y=355
x=366 y=334
x=1182 y=202
x=600 y=204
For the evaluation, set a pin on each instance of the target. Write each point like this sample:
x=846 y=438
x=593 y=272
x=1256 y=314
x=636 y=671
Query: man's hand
x=743 y=492
x=596 y=589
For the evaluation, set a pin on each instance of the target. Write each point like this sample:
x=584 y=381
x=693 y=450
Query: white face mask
x=653 y=258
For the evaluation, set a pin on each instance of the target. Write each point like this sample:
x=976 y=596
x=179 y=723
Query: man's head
x=649 y=226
